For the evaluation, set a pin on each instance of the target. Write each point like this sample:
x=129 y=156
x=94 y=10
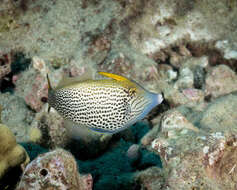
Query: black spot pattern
x=109 y=107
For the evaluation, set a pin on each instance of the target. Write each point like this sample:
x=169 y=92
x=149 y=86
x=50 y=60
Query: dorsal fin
x=65 y=81
x=0 y=114
x=114 y=76
x=49 y=84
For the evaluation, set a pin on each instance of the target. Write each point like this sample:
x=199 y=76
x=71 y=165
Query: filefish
x=104 y=105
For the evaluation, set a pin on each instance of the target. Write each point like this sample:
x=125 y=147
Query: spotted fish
x=106 y=105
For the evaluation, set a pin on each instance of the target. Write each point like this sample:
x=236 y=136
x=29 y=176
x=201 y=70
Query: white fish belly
x=95 y=107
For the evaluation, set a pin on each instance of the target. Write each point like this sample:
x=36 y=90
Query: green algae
x=33 y=150
x=113 y=169
x=20 y=63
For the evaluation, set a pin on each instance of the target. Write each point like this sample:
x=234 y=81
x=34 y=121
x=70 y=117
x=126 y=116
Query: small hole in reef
x=43 y=172
x=208 y=98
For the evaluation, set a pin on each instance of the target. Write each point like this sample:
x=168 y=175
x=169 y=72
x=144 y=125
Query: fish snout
x=160 y=98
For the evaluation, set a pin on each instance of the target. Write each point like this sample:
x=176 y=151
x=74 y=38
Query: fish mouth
x=160 y=98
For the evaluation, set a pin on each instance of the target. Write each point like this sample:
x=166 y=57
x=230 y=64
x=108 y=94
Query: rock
x=5 y=65
x=133 y=152
x=16 y=115
x=54 y=170
x=87 y=180
x=220 y=162
x=162 y=44
x=221 y=114
x=173 y=96
x=184 y=51
x=228 y=48
x=220 y=80
x=198 y=159
x=151 y=135
x=162 y=146
x=99 y=48
x=172 y=75
x=189 y=96
x=185 y=80
x=40 y=65
x=151 y=179
x=175 y=60
x=194 y=95
x=210 y=166
x=174 y=120
x=33 y=87
x=199 y=77
x=39 y=92
x=48 y=129
x=193 y=62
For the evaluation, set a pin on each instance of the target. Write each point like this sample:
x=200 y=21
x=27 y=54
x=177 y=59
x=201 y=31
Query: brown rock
x=220 y=80
x=54 y=170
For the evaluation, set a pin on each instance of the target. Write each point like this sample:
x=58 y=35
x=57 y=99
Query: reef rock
x=186 y=79
x=151 y=179
x=221 y=115
x=133 y=152
x=198 y=159
x=5 y=65
x=51 y=129
x=16 y=115
x=220 y=80
x=54 y=170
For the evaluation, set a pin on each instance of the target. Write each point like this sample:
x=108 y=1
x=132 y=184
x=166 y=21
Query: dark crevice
x=193 y=49
x=17 y=63
x=215 y=56
x=20 y=63
x=163 y=107
x=6 y=84
x=10 y=179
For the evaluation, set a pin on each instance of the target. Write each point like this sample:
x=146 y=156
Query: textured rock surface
x=221 y=115
x=54 y=170
x=198 y=159
x=151 y=179
x=221 y=80
x=183 y=48
x=16 y=115
x=133 y=152
x=5 y=65
x=52 y=128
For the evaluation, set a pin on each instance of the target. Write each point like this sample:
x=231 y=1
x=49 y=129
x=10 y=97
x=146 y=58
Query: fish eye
x=132 y=91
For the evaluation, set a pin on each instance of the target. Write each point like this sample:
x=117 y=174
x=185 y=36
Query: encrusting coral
x=54 y=170
x=11 y=154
